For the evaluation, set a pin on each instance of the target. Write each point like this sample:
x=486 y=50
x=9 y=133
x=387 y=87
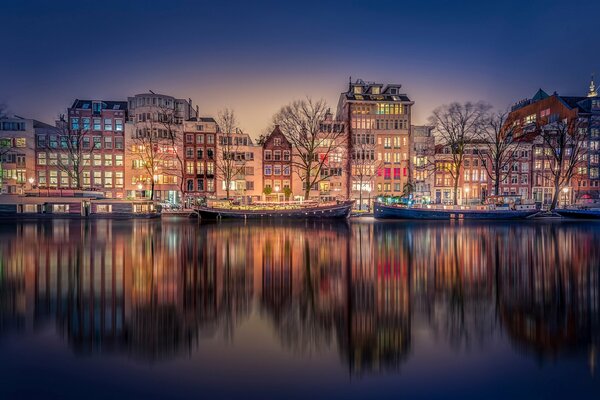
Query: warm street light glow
x=140 y=186
x=31 y=181
x=565 y=190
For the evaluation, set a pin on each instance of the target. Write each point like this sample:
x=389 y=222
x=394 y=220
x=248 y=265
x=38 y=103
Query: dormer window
x=96 y=107
x=393 y=91
x=375 y=90
x=357 y=89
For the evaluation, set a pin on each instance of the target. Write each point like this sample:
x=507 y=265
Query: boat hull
x=579 y=214
x=338 y=211
x=392 y=212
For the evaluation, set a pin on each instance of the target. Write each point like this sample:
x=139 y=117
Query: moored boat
x=338 y=210
x=579 y=213
x=384 y=211
x=13 y=207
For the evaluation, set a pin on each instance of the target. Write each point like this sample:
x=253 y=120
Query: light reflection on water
x=358 y=300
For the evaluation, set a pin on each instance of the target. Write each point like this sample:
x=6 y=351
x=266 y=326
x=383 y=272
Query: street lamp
x=31 y=182
x=277 y=191
x=467 y=190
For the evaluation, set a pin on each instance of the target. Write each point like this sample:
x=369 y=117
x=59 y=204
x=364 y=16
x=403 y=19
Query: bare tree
x=457 y=126
x=173 y=132
x=148 y=148
x=228 y=164
x=364 y=163
x=300 y=122
x=6 y=145
x=500 y=147
x=74 y=151
x=564 y=150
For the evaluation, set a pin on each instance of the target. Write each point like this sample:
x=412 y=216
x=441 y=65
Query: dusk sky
x=255 y=56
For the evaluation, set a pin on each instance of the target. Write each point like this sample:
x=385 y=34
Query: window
x=97 y=124
x=210 y=185
x=118 y=160
x=86 y=124
x=189 y=167
x=200 y=183
x=268 y=155
x=210 y=170
x=97 y=142
x=108 y=161
x=268 y=169
x=210 y=139
x=54 y=178
x=199 y=127
x=199 y=154
x=75 y=124
x=97 y=160
x=41 y=159
x=118 y=125
x=286 y=155
x=199 y=139
x=108 y=142
x=277 y=155
x=119 y=142
x=277 y=141
x=108 y=124
x=189 y=152
x=108 y=181
x=42 y=178
x=199 y=167
x=277 y=170
x=189 y=138
x=60 y=208
x=97 y=178
x=119 y=179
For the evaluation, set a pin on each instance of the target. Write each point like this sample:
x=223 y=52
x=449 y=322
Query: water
x=299 y=310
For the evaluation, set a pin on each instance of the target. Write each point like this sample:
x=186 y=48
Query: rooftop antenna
x=151 y=91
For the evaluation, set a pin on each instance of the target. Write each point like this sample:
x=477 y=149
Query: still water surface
x=299 y=310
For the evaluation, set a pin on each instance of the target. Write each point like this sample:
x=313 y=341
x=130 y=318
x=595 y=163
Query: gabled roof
x=277 y=132
x=539 y=95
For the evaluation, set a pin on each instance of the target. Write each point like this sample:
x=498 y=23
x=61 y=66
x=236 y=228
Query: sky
x=256 y=56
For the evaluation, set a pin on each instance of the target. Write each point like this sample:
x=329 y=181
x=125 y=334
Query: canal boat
x=579 y=213
x=308 y=210
x=15 y=207
x=385 y=211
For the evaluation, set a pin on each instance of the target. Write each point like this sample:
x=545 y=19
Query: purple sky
x=256 y=56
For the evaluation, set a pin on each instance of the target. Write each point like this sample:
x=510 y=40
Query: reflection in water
x=154 y=291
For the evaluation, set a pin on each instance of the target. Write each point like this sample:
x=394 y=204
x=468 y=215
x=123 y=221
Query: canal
x=177 y=309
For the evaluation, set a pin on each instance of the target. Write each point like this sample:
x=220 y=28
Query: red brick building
x=277 y=164
x=542 y=109
x=200 y=151
x=101 y=126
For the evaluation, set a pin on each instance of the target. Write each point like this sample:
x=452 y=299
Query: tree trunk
x=455 y=194
x=556 y=193
x=497 y=183
x=152 y=189
x=360 y=195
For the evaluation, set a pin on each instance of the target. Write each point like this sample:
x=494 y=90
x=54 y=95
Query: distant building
x=422 y=162
x=543 y=109
x=161 y=116
x=17 y=155
x=200 y=135
x=93 y=133
x=245 y=163
x=277 y=165
x=383 y=111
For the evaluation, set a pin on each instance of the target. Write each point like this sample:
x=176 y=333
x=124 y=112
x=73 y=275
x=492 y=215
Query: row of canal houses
x=161 y=145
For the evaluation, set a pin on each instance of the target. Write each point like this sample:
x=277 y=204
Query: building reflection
x=155 y=291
